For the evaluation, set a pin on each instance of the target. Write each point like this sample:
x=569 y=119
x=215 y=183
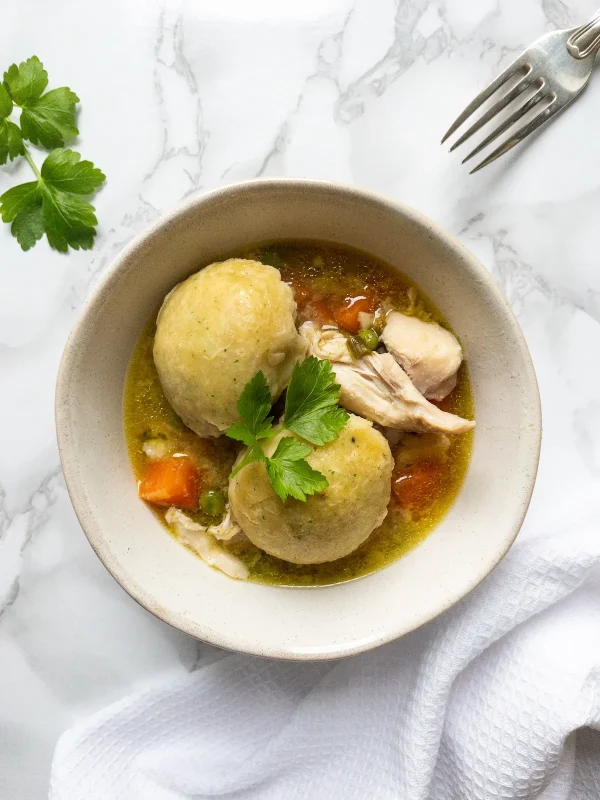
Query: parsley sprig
x=311 y=412
x=54 y=203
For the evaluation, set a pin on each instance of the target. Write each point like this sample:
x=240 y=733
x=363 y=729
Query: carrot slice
x=171 y=482
x=346 y=315
x=415 y=487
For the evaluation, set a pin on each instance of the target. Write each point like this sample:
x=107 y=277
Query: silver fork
x=549 y=75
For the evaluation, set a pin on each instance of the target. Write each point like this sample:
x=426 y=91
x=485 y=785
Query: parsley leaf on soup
x=46 y=119
x=311 y=412
x=53 y=204
x=254 y=453
x=290 y=474
x=253 y=406
x=311 y=403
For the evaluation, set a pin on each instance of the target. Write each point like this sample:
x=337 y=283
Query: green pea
x=369 y=338
x=212 y=502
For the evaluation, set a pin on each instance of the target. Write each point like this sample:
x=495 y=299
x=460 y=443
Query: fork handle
x=585 y=40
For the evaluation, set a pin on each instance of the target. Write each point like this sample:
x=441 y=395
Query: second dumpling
x=329 y=525
x=215 y=331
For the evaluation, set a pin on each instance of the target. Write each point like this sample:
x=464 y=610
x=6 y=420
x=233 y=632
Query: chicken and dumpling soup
x=298 y=414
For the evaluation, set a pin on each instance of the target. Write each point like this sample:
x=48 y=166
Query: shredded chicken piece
x=227 y=528
x=377 y=388
x=327 y=343
x=428 y=353
x=202 y=539
x=224 y=531
x=365 y=320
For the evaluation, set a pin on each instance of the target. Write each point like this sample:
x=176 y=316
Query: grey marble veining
x=181 y=96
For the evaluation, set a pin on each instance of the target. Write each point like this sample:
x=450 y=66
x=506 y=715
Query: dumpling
x=358 y=466
x=215 y=331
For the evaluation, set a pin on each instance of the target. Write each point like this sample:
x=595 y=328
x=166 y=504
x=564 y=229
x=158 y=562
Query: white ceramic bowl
x=300 y=623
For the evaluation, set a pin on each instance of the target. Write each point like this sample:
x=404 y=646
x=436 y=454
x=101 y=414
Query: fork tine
x=517 y=90
x=506 y=124
x=520 y=134
x=508 y=73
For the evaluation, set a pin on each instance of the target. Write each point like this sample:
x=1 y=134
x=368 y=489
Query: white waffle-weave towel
x=498 y=698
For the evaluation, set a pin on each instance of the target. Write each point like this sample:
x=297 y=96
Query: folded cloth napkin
x=498 y=698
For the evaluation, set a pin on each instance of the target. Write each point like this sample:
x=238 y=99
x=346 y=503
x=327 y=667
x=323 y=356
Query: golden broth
x=325 y=273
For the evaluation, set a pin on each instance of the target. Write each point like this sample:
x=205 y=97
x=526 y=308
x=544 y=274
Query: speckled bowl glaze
x=301 y=623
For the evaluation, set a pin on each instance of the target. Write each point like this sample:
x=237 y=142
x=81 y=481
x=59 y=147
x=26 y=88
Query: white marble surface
x=178 y=97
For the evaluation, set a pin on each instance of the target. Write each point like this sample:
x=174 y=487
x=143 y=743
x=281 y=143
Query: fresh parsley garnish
x=311 y=412
x=311 y=402
x=254 y=406
x=54 y=204
x=11 y=141
x=291 y=474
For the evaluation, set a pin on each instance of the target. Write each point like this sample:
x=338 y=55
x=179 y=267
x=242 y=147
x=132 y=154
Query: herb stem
x=278 y=428
x=31 y=162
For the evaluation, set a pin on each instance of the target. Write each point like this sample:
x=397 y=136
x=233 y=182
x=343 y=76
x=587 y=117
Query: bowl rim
x=102 y=290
